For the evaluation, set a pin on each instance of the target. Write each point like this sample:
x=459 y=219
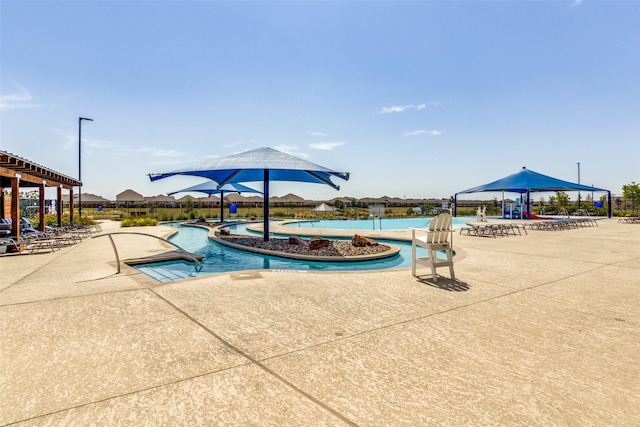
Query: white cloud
x=317 y=133
x=415 y=132
x=291 y=149
x=422 y=131
x=21 y=99
x=96 y=143
x=576 y=3
x=156 y=152
x=401 y=108
x=326 y=145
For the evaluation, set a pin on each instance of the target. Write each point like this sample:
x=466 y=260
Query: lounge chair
x=26 y=226
x=481 y=214
x=6 y=243
x=5 y=229
x=37 y=242
x=438 y=237
x=630 y=220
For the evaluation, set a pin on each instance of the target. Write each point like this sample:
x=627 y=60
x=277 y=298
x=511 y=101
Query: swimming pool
x=388 y=224
x=223 y=259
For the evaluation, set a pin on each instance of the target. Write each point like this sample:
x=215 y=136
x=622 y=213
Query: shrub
x=52 y=220
x=138 y=222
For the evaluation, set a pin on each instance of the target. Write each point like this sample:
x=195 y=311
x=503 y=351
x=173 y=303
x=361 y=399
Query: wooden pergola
x=16 y=173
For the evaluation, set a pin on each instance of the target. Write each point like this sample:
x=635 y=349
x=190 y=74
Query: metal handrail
x=115 y=250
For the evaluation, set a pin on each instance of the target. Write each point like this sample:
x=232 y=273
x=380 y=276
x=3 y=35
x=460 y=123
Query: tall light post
x=578 y=184
x=80 y=119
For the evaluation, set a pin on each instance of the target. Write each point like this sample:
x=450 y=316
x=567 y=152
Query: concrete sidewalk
x=541 y=329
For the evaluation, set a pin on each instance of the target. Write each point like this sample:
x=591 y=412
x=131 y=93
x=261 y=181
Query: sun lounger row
x=563 y=224
x=50 y=240
x=630 y=220
x=29 y=244
x=493 y=230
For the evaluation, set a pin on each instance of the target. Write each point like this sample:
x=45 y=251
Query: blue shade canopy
x=250 y=166
x=528 y=180
x=210 y=187
x=262 y=164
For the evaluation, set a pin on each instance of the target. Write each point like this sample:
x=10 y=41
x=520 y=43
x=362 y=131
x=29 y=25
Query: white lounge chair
x=481 y=214
x=438 y=237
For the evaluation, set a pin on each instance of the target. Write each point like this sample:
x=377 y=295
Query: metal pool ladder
x=115 y=250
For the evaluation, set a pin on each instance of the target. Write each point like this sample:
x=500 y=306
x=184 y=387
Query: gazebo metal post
x=265 y=208
x=221 y=205
x=59 y=205
x=455 y=204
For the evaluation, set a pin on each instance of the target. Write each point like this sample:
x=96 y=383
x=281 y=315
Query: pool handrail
x=115 y=250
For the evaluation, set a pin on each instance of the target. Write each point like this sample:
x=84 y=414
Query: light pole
x=578 y=184
x=80 y=119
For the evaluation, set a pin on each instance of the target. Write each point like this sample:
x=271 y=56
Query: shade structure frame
x=263 y=164
x=526 y=181
x=211 y=187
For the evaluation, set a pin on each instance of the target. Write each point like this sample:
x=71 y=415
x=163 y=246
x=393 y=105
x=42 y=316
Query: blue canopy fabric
x=211 y=187
x=527 y=181
x=250 y=166
x=262 y=164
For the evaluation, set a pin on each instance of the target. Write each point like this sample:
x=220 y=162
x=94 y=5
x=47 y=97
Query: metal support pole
x=265 y=208
x=80 y=119
x=578 y=184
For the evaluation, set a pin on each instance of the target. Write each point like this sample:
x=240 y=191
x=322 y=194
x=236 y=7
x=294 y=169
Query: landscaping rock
x=361 y=241
x=294 y=240
x=318 y=243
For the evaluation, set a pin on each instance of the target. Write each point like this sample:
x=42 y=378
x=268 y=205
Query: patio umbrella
x=211 y=187
x=262 y=164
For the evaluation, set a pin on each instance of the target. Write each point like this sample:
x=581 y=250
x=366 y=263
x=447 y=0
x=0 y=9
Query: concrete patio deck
x=542 y=329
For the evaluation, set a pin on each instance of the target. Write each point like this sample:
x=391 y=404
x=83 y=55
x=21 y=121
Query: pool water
x=222 y=259
x=389 y=224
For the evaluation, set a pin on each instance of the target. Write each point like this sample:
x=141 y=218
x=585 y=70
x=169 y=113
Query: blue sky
x=413 y=98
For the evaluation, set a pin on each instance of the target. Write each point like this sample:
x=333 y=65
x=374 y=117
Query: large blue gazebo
x=263 y=164
x=527 y=181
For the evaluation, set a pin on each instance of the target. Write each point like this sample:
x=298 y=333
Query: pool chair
x=437 y=238
x=8 y=242
x=26 y=226
x=481 y=214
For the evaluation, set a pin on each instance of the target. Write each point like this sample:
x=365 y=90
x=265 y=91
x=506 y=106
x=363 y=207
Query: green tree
x=589 y=200
x=631 y=192
x=188 y=205
x=562 y=198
